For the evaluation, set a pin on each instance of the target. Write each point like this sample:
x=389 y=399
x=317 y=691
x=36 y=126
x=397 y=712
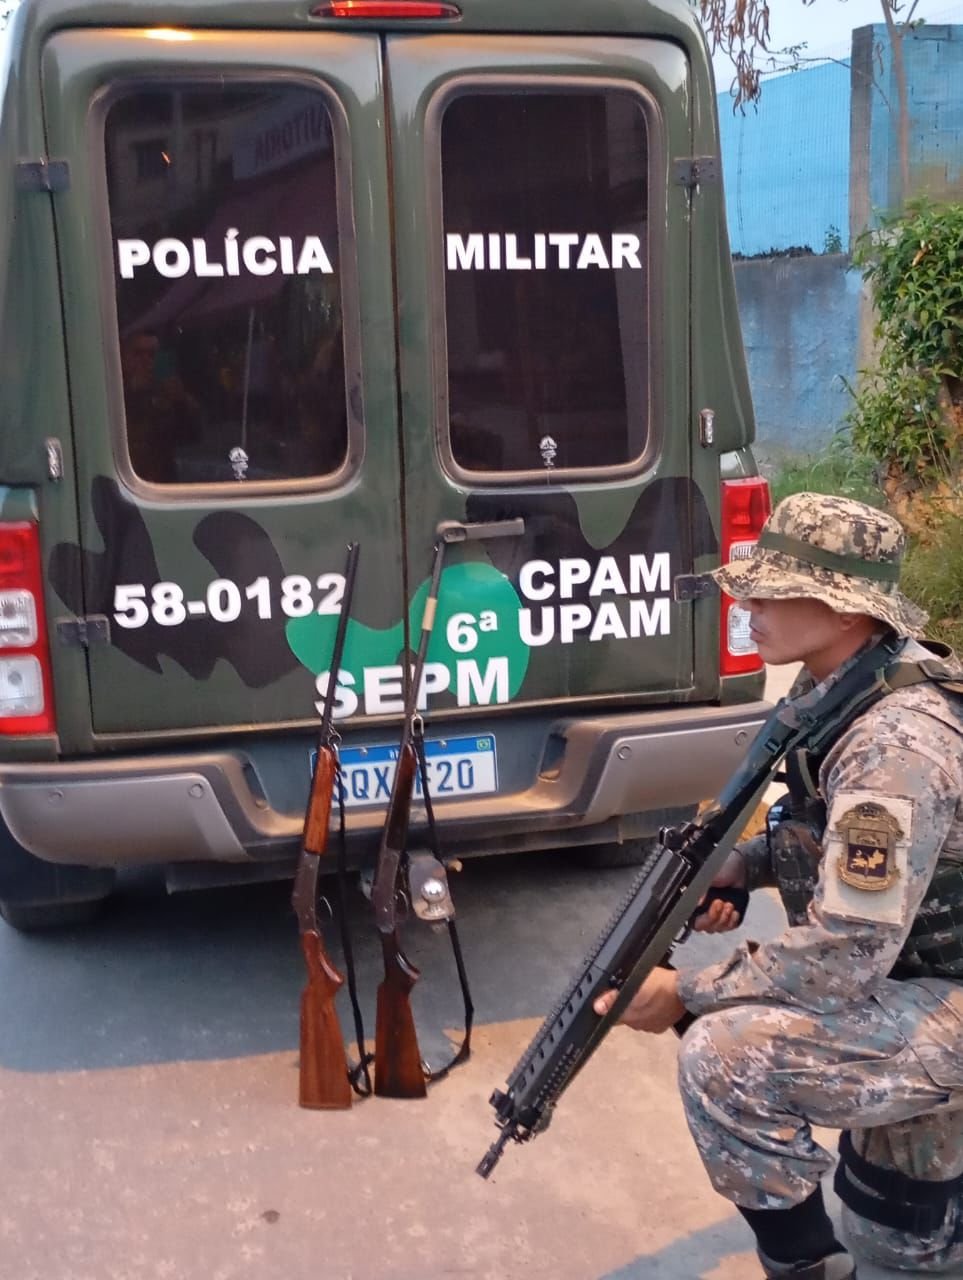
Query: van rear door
x=227 y=283
x=327 y=285
x=542 y=257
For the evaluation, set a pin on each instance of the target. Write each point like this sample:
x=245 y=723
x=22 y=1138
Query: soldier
x=853 y=1017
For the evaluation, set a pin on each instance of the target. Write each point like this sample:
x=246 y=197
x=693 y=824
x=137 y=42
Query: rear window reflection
x=546 y=269
x=223 y=213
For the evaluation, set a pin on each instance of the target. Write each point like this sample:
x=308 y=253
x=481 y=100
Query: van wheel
x=35 y=917
x=37 y=895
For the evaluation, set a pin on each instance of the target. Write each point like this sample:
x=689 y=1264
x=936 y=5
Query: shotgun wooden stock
x=324 y=1082
x=398 y=1070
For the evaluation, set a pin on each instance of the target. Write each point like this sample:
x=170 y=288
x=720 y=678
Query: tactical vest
x=797 y=822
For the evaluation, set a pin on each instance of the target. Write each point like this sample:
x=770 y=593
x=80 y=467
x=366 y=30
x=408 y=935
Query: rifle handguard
x=317 y=821
x=660 y=905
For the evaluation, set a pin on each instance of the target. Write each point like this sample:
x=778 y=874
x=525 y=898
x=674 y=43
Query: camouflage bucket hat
x=832 y=549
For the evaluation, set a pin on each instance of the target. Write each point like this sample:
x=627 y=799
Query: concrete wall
x=806 y=162
x=800 y=325
x=786 y=163
x=820 y=150
x=934 y=73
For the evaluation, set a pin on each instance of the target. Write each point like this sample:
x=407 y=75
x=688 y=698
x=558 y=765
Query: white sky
x=825 y=25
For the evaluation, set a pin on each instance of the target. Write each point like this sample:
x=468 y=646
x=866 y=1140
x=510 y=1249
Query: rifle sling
x=464 y=1050
x=359 y=1075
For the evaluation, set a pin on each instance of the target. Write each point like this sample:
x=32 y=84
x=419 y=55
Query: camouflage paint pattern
x=807 y=1029
x=237 y=547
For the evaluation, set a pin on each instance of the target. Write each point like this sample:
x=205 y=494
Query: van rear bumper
x=202 y=806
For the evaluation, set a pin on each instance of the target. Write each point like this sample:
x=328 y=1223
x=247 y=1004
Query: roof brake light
x=386 y=9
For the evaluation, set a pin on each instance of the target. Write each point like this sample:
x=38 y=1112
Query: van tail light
x=386 y=9
x=746 y=505
x=26 y=687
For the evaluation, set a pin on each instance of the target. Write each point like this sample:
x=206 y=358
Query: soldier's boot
x=838 y=1266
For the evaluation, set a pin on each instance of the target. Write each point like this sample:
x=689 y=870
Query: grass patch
x=933 y=577
x=835 y=469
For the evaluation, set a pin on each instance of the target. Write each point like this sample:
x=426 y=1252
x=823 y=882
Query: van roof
x=668 y=18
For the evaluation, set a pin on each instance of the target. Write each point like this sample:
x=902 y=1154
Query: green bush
x=933 y=577
x=904 y=414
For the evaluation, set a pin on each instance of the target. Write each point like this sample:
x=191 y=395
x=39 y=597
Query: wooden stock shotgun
x=324 y=1079
x=399 y=1069
x=399 y=1072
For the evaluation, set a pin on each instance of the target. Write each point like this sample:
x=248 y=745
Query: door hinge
x=43 y=175
x=693 y=172
x=694 y=586
x=84 y=632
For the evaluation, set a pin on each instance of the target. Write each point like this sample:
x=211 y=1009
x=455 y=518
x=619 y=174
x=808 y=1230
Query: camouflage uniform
x=808 y=1029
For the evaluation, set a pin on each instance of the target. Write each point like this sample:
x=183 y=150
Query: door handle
x=454 y=531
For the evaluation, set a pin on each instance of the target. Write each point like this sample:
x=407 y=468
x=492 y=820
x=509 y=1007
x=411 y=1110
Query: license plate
x=456 y=767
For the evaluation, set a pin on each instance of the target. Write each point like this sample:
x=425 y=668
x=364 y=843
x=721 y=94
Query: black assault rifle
x=664 y=897
x=399 y=1070
x=324 y=1078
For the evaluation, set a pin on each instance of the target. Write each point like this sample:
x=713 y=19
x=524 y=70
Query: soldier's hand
x=655 y=1007
x=721 y=916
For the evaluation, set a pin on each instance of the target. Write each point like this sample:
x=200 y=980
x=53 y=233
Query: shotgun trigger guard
x=430 y=894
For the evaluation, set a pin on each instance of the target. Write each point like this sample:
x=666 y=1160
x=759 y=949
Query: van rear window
x=545 y=200
x=224 y=222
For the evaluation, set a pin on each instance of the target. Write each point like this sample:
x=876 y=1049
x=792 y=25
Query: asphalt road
x=150 y=1127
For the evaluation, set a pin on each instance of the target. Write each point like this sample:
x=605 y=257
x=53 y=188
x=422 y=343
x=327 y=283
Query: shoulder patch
x=867 y=857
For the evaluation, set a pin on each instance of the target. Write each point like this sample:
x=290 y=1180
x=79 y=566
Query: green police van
x=280 y=274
